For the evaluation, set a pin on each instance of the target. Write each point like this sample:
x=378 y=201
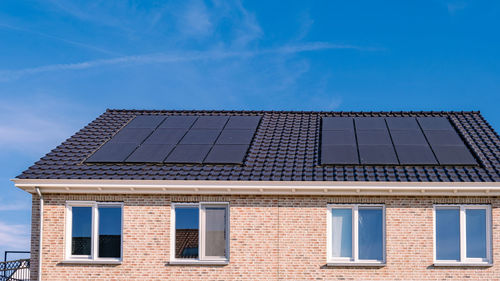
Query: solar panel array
x=392 y=141
x=180 y=139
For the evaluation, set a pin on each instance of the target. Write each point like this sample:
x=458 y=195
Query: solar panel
x=165 y=136
x=370 y=123
x=454 y=155
x=179 y=122
x=402 y=123
x=131 y=135
x=227 y=154
x=438 y=137
x=345 y=137
x=235 y=137
x=339 y=154
x=243 y=122
x=146 y=121
x=337 y=123
x=112 y=152
x=210 y=122
x=200 y=137
x=415 y=154
x=373 y=137
x=155 y=153
x=408 y=137
x=377 y=155
x=188 y=153
x=434 y=123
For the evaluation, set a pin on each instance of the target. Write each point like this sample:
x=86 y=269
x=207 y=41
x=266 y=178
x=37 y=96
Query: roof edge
x=260 y=187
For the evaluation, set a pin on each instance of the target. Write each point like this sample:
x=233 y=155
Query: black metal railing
x=17 y=270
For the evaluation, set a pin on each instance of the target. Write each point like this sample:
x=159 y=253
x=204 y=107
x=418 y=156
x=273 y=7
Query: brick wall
x=271 y=238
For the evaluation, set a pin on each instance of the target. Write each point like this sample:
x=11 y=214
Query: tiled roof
x=285 y=148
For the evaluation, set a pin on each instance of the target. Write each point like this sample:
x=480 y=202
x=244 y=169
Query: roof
x=285 y=148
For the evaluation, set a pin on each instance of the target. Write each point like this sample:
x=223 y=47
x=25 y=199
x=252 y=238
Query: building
x=269 y=195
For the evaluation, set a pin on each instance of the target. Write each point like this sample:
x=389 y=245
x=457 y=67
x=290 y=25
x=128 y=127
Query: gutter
x=333 y=188
x=40 y=235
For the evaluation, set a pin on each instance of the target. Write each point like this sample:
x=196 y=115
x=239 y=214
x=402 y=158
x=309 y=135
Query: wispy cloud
x=163 y=58
x=17 y=206
x=454 y=7
x=64 y=40
x=195 y=20
x=14 y=236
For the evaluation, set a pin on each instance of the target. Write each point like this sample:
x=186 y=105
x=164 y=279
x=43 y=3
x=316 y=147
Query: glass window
x=366 y=235
x=110 y=231
x=448 y=234
x=370 y=234
x=201 y=231
x=186 y=233
x=462 y=233
x=95 y=229
x=342 y=233
x=81 y=234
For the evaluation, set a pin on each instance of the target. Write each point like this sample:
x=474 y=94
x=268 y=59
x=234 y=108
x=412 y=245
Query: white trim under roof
x=259 y=187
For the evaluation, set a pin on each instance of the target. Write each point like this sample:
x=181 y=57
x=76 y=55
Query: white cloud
x=18 y=206
x=162 y=58
x=195 y=20
x=14 y=236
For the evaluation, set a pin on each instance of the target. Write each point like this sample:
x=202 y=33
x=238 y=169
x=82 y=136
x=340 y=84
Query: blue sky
x=62 y=63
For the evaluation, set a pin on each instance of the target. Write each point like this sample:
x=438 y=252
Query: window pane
x=215 y=236
x=81 y=230
x=110 y=231
x=186 y=233
x=448 y=234
x=370 y=233
x=342 y=233
x=476 y=233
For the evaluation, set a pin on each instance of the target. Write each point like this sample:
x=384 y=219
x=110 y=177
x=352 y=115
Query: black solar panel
x=235 y=137
x=146 y=121
x=227 y=154
x=188 y=153
x=409 y=137
x=131 y=135
x=434 y=123
x=242 y=122
x=438 y=137
x=112 y=152
x=377 y=155
x=402 y=123
x=337 y=123
x=370 y=123
x=454 y=155
x=415 y=155
x=178 y=122
x=345 y=137
x=373 y=137
x=180 y=139
x=392 y=141
x=166 y=136
x=210 y=122
x=154 y=153
x=201 y=136
x=339 y=154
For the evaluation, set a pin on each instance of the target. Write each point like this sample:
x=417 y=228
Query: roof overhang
x=259 y=187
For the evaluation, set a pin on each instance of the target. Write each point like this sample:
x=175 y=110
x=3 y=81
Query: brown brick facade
x=271 y=238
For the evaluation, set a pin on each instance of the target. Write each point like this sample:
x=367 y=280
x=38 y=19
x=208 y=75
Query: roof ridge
x=299 y=111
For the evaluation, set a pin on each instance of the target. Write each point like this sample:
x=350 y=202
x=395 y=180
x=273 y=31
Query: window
x=462 y=234
x=93 y=231
x=356 y=234
x=200 y=232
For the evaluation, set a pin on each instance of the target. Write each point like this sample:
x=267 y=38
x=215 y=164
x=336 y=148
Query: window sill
x=92 y=261
x=198 y=262
x=463 y=264
x=367 y=264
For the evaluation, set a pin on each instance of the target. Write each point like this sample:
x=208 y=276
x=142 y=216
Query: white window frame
x=464 y=261
x=94 y=251
x=202 y=258
x=354 y=261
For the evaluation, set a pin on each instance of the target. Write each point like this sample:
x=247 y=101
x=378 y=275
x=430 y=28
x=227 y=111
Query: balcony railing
x=17 y=270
